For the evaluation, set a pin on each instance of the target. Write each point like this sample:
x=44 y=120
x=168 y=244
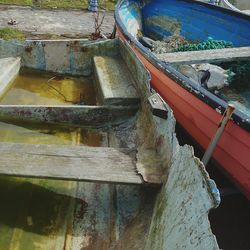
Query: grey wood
x=94 y=116
x=114 y=81
x=215 y=55
x=96 y=164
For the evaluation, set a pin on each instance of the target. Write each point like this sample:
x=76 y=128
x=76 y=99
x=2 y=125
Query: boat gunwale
x=219 y=105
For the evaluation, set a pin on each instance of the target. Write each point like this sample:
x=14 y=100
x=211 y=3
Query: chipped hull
x=198 y=112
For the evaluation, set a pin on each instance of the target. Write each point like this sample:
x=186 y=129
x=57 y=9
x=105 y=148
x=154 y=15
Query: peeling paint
x=107 y=216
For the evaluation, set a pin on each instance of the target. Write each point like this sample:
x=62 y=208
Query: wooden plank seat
x=206 y=56
x=81 y=163
x=114 y=82
x=94 y=116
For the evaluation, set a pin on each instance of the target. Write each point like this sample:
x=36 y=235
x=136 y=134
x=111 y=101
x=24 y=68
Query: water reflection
x=36 y=87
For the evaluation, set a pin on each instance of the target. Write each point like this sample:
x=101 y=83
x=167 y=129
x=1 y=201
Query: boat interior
x=89 y=156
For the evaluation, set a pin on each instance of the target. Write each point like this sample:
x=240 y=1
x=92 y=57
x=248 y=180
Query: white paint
x=9 y=68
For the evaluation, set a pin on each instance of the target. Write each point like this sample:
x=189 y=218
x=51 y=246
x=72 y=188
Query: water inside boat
x=41 y=209
x=38 y=87
x=127 y=137
x=35 y=133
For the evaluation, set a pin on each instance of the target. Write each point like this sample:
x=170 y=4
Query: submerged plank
x=215 y=55
x=97 y=164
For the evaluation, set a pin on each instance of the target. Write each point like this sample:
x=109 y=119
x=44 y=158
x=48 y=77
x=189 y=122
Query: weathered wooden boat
x=196 y=109
x=126 y=137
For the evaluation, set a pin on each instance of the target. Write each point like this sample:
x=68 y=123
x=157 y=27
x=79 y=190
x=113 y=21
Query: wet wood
x=95 y=116
x=96 y=164
x=206 y=56
x=114 y=81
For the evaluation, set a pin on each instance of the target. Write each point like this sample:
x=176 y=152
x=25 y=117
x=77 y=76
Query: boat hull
x=70 y=215
x=199 y=119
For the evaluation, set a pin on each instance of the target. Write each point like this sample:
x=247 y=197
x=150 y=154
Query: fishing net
x=238 y=72
x=210 y=43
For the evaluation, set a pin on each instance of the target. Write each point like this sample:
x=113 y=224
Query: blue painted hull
x=196 y=21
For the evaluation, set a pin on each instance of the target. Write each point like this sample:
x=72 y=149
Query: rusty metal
x=213 y=143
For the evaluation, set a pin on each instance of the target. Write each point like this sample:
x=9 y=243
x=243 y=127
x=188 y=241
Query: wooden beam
x=206 y=56
x=81 y=163
x=95 y=116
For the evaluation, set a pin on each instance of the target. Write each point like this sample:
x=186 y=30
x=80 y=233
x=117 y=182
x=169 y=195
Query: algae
x=35 y=87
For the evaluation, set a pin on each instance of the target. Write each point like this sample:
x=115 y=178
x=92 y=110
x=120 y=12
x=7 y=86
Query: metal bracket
x=158 y=107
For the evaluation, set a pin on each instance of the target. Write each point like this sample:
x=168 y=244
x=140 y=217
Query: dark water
x=230 y=221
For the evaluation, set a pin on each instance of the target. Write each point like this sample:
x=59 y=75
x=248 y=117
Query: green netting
x=238 y=72
x=210 y=43
x=241 y=72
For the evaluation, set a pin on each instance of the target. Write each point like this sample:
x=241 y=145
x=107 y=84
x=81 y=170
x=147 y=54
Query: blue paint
x=197 y=21
x=40 y=57
x=72 y=60
x=131 y=16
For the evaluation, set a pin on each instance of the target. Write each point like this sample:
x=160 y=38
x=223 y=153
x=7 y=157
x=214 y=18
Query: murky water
x=241 y=4
x=49 y=134
x=39 y=213
x=34 y=87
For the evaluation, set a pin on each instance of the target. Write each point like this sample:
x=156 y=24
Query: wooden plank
x=95 y=116
x=114 y=81
x=96 y=164
x=205 y=56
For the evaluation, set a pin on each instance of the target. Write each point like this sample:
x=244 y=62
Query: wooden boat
x=126 y=137
x=196 y=109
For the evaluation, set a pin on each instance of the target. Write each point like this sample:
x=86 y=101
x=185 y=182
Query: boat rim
x=218 y=104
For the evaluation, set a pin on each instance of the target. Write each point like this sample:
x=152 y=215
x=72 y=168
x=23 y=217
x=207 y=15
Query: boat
x=196 y=109
x=102 y=174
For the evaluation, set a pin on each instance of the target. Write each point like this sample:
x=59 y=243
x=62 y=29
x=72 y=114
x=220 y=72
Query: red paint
x=201 y=121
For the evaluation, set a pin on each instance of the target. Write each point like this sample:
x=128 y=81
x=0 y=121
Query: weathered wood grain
x=114 y=81
x=95 y=116
x=215 y=55
x=98 y=164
